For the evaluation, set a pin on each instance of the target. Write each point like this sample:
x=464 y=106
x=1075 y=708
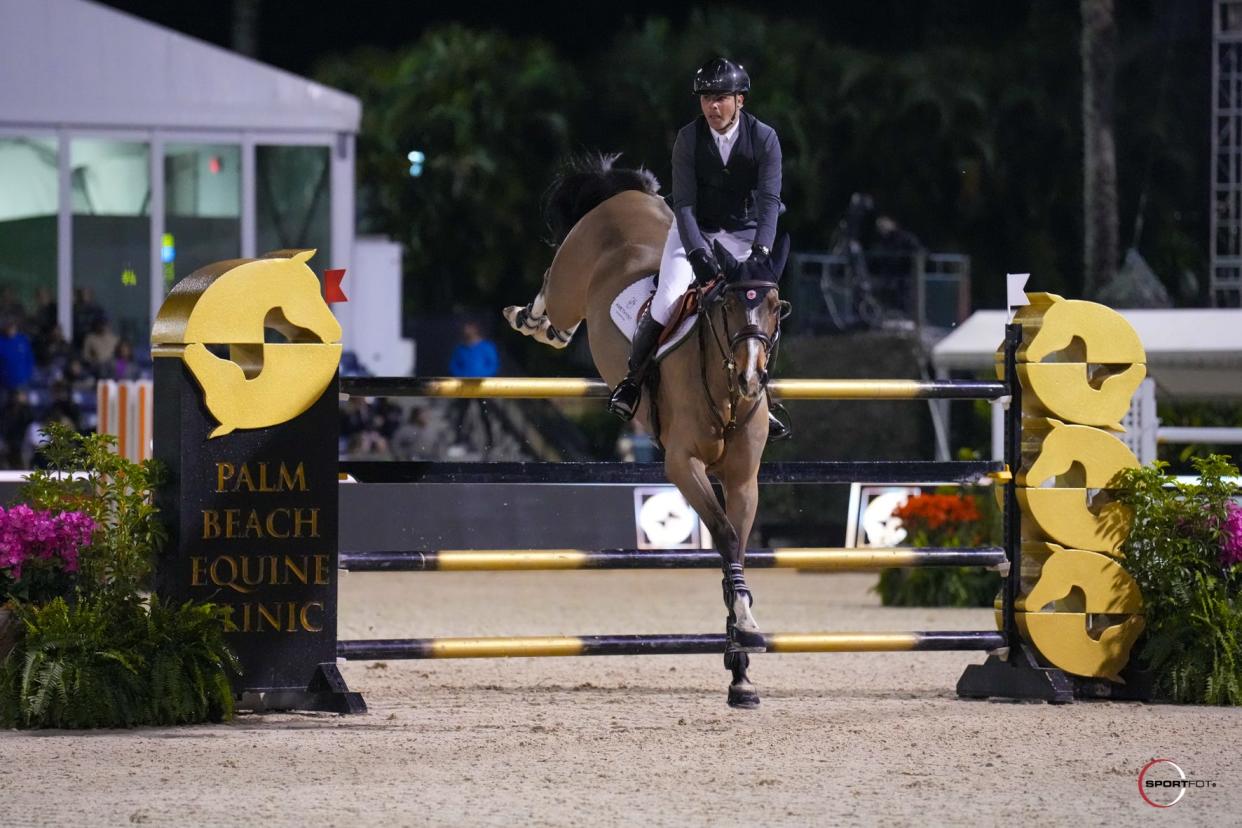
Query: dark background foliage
x=961 y=117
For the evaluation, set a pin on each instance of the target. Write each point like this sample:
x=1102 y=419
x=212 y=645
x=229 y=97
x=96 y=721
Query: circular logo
x=666 y=519
x=1158 y=780
x=750 y=294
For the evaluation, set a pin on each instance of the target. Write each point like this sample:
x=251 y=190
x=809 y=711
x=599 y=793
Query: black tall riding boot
x=629 y=391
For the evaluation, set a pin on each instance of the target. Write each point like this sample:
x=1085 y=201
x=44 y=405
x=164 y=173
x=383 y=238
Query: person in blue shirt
x=16 y=358
x=475 y=357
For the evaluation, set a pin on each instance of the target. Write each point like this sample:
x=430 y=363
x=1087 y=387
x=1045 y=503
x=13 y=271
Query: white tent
x=76 y=76
x=1193 y=354
x=76 y=63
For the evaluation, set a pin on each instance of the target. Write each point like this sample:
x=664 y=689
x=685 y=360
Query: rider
x=726 y=188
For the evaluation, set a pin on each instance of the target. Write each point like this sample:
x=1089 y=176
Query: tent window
x=294 y=200
x=111 y=186
x=29 y=200
x=202 y=214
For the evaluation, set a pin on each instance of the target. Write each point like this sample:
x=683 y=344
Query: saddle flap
x=630 y=303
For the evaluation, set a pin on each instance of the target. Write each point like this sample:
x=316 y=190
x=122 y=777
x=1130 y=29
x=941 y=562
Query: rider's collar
x=729 y=134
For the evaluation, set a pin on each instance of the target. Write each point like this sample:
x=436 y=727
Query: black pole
x=1013 y=459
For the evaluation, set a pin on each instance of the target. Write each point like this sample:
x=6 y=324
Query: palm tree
x=1100 y=230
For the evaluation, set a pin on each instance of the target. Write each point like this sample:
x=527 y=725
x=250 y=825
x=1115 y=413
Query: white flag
x=1015 y=292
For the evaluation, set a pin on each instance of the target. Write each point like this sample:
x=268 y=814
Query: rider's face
x=720 y=109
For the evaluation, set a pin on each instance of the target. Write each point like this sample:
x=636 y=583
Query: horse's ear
x=779 y=256
x=725 y=259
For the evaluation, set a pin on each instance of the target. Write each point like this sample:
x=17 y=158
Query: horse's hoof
x=743 y=696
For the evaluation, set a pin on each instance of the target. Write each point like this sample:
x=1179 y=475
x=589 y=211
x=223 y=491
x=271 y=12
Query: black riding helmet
x=721 y=76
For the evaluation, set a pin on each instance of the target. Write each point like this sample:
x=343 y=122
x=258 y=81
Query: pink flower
x=1231 y=537
x=27 y=535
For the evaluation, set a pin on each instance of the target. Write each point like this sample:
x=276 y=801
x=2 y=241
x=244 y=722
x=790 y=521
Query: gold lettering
x=246 y=618
x=295 y=482
x=224 y=471
x=271 y=523
x=231 y=580
x=306 y=623
x=197 y=572
x=253 y=525
x=230 y=521
x=299 y=520
x=244 y=479
x=274 y=620
x=321 y=570
x=246 y=577
x=290 y=566
x=211 y=524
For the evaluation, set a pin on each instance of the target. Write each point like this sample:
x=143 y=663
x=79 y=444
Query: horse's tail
x=583 y=183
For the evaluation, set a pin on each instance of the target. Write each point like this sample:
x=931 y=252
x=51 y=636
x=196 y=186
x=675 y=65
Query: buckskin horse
x=707 y=404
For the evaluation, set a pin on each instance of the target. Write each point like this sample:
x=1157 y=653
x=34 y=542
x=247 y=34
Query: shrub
x=1184 y=550
x=115 y=493
x=105 y=664
x=100 y=652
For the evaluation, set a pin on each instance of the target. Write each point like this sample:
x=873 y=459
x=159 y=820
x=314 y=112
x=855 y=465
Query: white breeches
x=676 y=275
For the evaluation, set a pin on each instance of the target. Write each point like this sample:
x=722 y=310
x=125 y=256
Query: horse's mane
x=585 y=181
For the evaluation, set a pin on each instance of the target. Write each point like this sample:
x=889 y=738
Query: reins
x=713 y=294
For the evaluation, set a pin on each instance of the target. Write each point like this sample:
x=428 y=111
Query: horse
x=707 y=405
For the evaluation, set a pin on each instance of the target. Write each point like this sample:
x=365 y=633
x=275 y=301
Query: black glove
x=760 y=254
x=705 y=267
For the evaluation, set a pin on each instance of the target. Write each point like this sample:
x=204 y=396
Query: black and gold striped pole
x=626 y=645
x=544 y=388
x=861 y=559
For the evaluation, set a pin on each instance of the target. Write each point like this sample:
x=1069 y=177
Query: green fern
x=101 y=664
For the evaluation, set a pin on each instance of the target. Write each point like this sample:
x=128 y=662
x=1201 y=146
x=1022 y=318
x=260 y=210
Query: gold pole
x=848 y=642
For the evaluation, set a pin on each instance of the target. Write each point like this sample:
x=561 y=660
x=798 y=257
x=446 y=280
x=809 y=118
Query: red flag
x=332 y=286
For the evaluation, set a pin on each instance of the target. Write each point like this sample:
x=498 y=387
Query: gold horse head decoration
x=231 y=304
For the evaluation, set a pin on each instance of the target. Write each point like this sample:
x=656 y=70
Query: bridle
x=714 y=294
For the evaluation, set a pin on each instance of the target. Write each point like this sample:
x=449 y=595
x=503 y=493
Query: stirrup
x=778 y=429
x=624 y=400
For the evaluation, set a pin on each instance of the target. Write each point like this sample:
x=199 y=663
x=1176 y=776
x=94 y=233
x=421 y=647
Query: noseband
x=754 y=292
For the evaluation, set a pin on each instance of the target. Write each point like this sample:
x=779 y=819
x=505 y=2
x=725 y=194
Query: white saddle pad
x=625 y=310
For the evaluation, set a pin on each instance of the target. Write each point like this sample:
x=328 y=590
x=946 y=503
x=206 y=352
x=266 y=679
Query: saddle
x=632 y=303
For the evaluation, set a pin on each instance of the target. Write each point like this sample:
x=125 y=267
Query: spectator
x=475 y=357
x=409 y=442
x=86 y=314
x=44 y=317
x=124 y=366
x=11 y=307
x=99 y=347
x=78 y=377
x=52 y=350
x=16 y=358
x=17 y=415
